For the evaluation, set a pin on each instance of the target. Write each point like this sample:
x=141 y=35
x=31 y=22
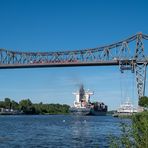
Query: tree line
x=27 y=107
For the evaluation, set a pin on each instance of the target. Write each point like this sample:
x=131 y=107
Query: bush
x=143 y=101
x=134 y=135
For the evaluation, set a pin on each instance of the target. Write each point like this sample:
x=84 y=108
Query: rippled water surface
x=63 y=131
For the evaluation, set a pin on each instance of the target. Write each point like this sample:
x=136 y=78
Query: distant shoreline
x=3 y=114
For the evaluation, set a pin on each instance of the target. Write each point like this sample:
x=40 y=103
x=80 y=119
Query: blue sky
x=51 y=25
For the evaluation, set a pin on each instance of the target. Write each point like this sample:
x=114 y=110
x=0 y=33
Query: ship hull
x=79 y=111
x=97 y=113
x=87 y=111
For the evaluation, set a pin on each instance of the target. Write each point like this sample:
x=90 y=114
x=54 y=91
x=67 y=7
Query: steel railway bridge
x=128 y=54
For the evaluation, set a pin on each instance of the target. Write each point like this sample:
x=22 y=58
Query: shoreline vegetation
x=25 y=106
x=134 y=135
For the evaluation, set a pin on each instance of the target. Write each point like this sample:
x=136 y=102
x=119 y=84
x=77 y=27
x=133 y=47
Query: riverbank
x=135 y=135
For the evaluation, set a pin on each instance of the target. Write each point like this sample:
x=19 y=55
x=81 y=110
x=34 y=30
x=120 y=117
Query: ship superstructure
x=82 y=98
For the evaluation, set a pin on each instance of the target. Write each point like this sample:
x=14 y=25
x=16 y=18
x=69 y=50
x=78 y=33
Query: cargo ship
x=83 y=106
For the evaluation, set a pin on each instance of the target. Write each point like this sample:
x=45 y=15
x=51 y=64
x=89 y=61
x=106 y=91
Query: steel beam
x=140 y=68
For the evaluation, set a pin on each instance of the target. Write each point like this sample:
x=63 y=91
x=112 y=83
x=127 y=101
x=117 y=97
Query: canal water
x=57 y=131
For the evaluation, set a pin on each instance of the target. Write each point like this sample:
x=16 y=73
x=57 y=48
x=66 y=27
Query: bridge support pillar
x=140 y=70
x=140 y=67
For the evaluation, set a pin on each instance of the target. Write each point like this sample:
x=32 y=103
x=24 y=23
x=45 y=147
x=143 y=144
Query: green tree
x=27 y=107
x=143 y=101
x=7 y=103
x=2 y=104
x=14 y=105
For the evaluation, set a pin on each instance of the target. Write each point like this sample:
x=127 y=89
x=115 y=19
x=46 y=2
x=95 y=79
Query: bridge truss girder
x=118 y=53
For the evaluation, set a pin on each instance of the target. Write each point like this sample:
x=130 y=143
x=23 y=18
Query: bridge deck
x=41 y=65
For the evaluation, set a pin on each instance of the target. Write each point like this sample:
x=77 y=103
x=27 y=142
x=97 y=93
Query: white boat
x=127 y=108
